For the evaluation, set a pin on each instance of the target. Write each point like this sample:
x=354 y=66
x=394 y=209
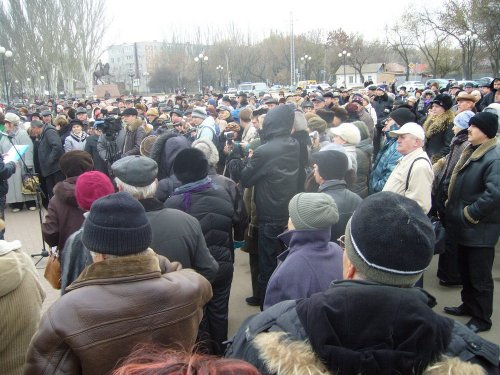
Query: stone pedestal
x=112 y=88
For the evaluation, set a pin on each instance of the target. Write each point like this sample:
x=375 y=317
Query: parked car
x=312 y=88
x=276 y=88
x=485 y=80
x=231 y=91
x=253 y=87
x=462 y=83
x=441 y=82
x=412 y=85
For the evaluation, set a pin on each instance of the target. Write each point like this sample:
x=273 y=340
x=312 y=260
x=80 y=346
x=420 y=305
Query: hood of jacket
x=278 y=122
x=360 y=327
x=366 y=145
x=438 y=124
x=165 y=149
x=65 y=191
x=14 y=264
x=208 y=149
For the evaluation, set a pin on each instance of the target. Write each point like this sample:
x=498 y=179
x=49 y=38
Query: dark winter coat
x=304 y=141
x=164 y=151
x=383 y=106
x=364 y=151
x=74 y=258
x=345 y=330
x=473 y=207
x=64 y=217
x=215 y=212
x=128 y=141
x=49 y=150
x=346 y=201
x=178 y=237
x=308 y=266
x=438 y=135
x=6 y=170
x=64 y=132
x=91 y=148
x=274 y=167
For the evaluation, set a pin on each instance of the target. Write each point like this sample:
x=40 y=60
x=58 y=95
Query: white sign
x=137 y=82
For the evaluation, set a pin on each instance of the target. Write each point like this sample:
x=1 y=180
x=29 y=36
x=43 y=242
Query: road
x=25 y=226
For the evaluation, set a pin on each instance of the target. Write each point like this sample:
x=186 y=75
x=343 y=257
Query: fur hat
x=402 y=115
x=152 y=112
x=317 y=123
x=74 y=163
x=117 y=224
x=348 y=132
x=209 y=149
x=91 y=186
x=389 y=239
x=130 y=112
x=464 y=96
x=300 y=122
x=313 y=211
x=326 y=114
x=487 y=122
x=135 y=170
x=462 y=119
x=443 y=100
x=190 y=165
x=332 y=164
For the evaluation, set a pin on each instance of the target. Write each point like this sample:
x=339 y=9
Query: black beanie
x=389 y=239
x=190 y=165
x=402 y=116
x=76 y=162
x=117 y=225
x=332 y=164
x=443 y=100
x=487 y=122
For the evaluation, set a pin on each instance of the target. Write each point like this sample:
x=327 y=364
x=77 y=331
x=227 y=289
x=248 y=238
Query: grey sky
x=144 y=20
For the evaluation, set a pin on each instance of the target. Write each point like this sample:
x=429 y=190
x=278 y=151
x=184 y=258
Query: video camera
x=111 y=127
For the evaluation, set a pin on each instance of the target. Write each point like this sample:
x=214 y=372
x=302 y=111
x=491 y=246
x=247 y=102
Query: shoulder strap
x=411 y=167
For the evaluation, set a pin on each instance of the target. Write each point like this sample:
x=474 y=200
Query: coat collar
x=151 y=204
x=332 y=185
x=119 y=270
x=479 y=152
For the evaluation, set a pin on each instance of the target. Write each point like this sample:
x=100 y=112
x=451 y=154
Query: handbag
x=440 y=233
x=30 y=183
x=53 y=270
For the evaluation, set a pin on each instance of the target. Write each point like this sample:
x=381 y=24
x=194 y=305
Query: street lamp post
x=470 y=46
x=146 y=75
x=220 y=68
x=41 y=83
x=344 y=54
x=32 y=86
x=201 y=58
x=305 y=59
x=131 y=75
x=5 y=54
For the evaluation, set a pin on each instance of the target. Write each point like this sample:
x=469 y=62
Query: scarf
x=79 y=138
x=187 y=191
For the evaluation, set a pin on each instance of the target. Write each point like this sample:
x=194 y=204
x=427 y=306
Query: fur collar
x=287 y=357
x=132 y=127
x=438 y=124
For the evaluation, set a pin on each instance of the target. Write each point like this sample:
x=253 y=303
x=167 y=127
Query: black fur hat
x=190 y=165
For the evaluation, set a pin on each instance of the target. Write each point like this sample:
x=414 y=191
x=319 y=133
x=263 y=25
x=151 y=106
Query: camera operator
x=91 y=147
x=121 y=138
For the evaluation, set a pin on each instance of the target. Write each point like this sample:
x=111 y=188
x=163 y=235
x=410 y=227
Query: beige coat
x=420 y=182
x=21 y=297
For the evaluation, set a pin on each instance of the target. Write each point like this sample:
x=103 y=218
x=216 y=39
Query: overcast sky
x=134 y=21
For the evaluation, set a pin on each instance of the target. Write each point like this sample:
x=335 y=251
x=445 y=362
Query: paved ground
x=25 y=227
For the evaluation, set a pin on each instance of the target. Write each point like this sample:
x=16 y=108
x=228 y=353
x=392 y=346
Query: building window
x=369 y=78
x=351 y=79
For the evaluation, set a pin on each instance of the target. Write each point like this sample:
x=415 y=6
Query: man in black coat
x=473 y=216
x=49 y=151
x=273 y=169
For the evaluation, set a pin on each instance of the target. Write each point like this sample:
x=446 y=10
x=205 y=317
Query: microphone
x=6 y=134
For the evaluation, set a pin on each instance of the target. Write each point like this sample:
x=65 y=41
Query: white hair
x=138 y=192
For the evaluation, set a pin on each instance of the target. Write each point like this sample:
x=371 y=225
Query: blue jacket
x=309 y=266
x=384 y=164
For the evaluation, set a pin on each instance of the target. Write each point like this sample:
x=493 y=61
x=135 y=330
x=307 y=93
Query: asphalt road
x=25 y=226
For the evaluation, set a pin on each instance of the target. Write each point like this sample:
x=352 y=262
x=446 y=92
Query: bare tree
x=400 y=40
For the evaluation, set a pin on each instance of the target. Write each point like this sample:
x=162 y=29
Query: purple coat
x=309 y=266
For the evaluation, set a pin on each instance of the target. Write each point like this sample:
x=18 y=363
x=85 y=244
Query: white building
x=138 y=59
x=378 y=73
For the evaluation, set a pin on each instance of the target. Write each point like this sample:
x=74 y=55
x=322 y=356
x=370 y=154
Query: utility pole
x=292 y=52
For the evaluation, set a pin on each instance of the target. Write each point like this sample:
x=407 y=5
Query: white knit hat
x=348 y=132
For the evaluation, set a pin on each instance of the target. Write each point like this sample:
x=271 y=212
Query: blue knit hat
x=462 y=119
x=117 y=225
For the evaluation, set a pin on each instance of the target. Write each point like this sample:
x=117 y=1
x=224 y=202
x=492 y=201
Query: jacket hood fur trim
x=438 y=124
x=134 y=125
x=287 y=357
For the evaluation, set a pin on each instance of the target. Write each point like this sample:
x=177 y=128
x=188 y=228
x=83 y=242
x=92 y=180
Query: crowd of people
x=335 y=196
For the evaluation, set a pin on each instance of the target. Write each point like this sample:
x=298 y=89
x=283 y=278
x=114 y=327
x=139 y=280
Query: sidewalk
x=25 y=226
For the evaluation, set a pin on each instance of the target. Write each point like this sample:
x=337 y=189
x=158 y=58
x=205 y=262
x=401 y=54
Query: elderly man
x=473 y=217
x=129 y=295
x=176 y=235
x=465 y=102
x=373 y=321
x=413 y=174
x=204 y=124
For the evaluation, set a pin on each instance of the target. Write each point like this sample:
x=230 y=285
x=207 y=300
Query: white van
x=253 y=87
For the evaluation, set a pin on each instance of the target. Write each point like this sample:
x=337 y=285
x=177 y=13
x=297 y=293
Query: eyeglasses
x=341 y=241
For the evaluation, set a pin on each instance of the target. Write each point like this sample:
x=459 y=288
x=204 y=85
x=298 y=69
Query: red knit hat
x=91 y=186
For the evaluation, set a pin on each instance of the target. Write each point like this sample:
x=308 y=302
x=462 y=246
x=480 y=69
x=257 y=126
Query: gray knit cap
x=313 y=211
